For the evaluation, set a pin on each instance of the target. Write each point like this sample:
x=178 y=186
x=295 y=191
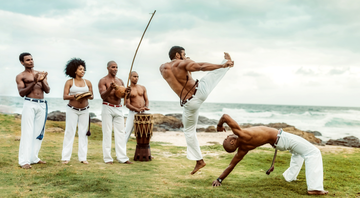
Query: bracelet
x=219 y=180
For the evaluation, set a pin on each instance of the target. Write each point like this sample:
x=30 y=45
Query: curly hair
x=72 y=65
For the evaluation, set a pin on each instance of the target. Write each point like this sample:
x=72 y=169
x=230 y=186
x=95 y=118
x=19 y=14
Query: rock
x=308 y=136
x=176 y=115
x=158 y=129
x=200 y=129
x=202 y=119
x=17 y=116
x=210 y=129
x=316 y=133
x=54 y=130
x=95 y=120
x=350 y=141
x=57 y=116
x=206 y=121
x=169 y=123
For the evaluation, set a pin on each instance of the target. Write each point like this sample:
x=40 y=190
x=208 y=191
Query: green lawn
x=168 y=175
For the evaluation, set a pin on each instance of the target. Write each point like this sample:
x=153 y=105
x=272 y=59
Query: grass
x=166 y=176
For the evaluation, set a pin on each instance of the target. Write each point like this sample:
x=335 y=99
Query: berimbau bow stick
x=127 y=84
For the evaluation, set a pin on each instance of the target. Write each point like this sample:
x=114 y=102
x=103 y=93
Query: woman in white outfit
x=77 y=111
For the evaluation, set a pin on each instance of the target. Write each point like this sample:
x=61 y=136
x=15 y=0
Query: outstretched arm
x=229 y=121
x=237 y=158
x=192 y=66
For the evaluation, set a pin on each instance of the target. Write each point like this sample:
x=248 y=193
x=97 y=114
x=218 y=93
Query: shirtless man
x=112 y=114
x=248 y=139
x=31 y=85
x=192 y=94
x=137 y=102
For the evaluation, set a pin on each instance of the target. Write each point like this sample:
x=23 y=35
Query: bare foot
x=85 y=162
x=41 y=162
x=198 y=166
x=128 y=162
x=227 y=56
x=26 y=166
x=108 y=162
x=318 y=192
x=65 y=162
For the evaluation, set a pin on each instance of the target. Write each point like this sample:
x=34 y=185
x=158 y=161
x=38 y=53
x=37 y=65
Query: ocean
x=332 y=122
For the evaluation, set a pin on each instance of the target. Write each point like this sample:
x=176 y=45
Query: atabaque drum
x=143 y=130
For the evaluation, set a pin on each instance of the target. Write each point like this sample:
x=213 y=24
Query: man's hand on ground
x=216 y=183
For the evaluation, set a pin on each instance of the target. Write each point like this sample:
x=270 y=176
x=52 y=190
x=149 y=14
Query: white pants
x=32 y=122
x=191 y=110
x=113 y=116
x=81 y=119
x=129 y=124
x=302 y=150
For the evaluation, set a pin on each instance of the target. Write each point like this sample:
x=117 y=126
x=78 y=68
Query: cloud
x=277 y=45
x=305 y=71
x=338 y=71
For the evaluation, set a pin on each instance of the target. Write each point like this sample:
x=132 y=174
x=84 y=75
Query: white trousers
x=129 y=124
x=32 y=122
x=302 y=150
x=113 y=116
x=191 y=110
x=81 y=119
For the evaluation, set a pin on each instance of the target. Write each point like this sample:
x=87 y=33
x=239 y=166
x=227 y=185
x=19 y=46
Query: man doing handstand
x=192 y=94
x=248 y=139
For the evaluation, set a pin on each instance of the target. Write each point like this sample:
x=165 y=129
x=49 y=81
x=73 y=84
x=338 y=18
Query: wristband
x=219 y=180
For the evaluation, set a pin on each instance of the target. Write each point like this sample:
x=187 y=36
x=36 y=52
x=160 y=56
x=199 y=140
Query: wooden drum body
x=143 y=130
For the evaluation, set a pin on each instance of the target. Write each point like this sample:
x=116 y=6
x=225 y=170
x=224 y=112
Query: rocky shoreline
x=172 y=122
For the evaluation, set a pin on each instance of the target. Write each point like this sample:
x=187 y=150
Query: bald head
x=134 y=77
x=229 y=144
x=110 y=62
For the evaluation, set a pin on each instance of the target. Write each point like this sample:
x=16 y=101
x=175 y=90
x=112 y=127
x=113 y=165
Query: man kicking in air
x=248 y=139
x=192 y=94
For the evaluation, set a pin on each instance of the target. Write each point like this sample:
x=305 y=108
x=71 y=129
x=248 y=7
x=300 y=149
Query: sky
x=286 y=52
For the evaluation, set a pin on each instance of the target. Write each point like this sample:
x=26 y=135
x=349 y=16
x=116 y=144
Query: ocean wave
x=340 y=122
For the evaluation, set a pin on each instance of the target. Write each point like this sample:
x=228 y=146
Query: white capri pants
x=81 y=119
x=113 y=116
x=302 y=150
x=32 y=122
x=191 y=110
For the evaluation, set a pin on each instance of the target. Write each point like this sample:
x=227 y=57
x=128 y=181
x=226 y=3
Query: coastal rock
x=95 y=120
x=210 y=129
x=200 y=129
x=169 y=123
x=17 y=116
x=316 y=133
x=201 y=121
x=158 y=129
x=57 y=116
x=350 y=141
x=176 y=115
x=206 y=121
